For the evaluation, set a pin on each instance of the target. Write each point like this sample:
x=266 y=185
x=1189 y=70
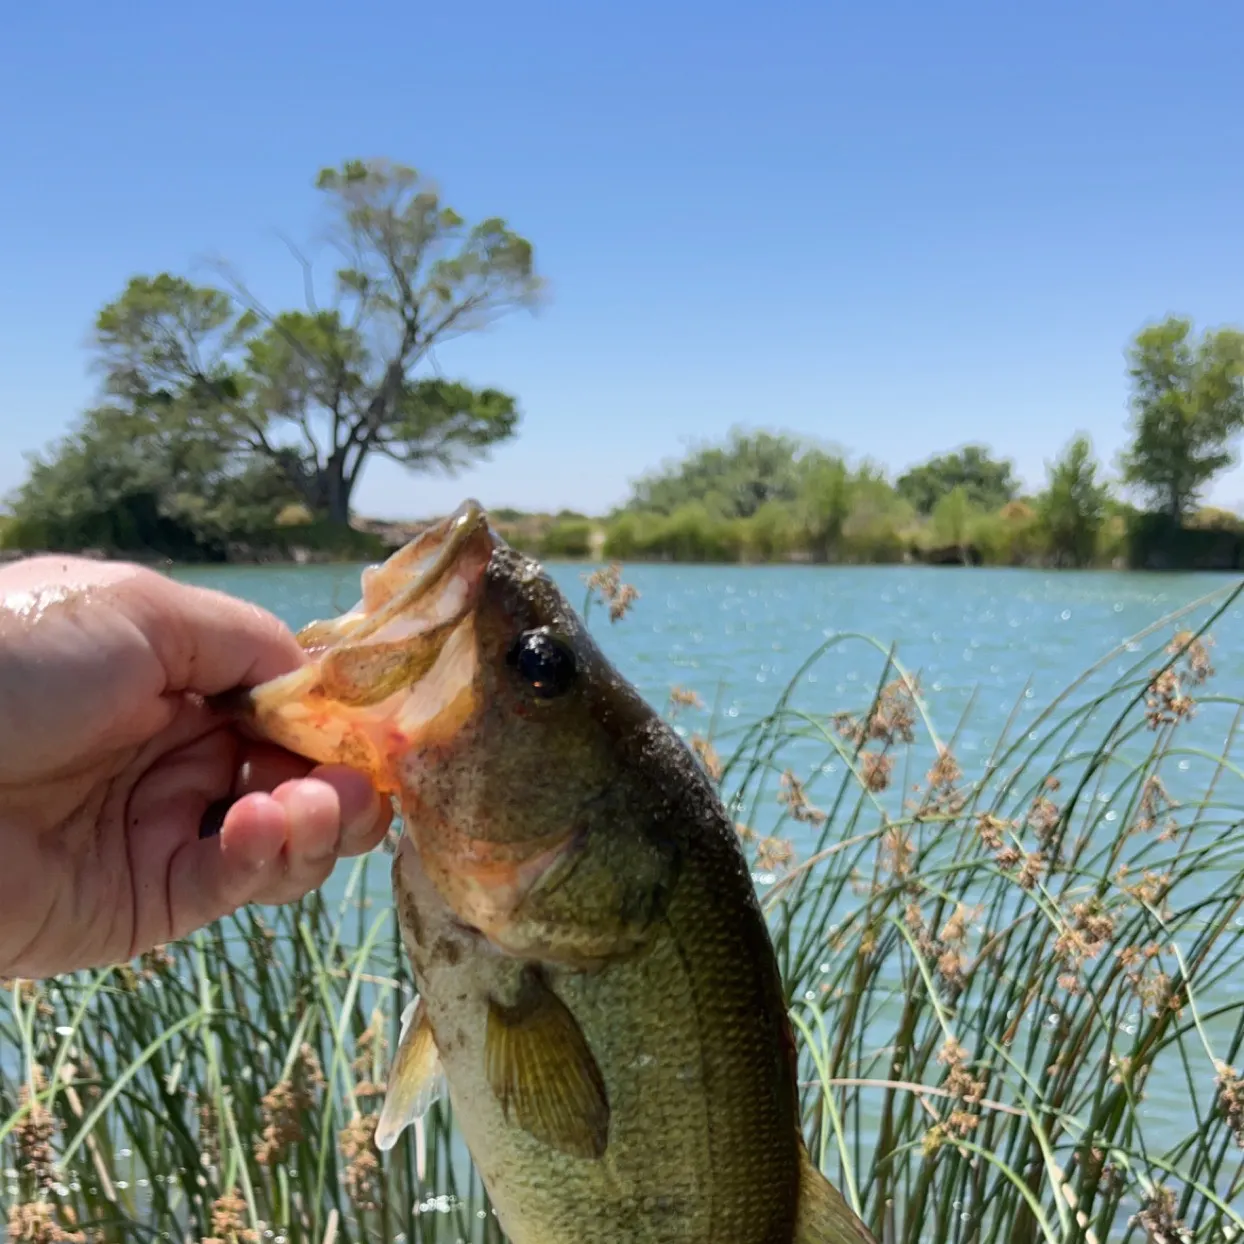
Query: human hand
x=109 y=759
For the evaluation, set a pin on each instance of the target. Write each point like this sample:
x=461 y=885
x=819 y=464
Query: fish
x=597 y=992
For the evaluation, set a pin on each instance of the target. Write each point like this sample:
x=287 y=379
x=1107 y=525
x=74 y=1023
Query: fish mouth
x=405 y=586
x=394 y=662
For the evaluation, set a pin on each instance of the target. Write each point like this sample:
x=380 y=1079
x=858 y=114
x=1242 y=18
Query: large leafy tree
x=1187 y=406
x=1072 y=508
x=988 y=483
x=316 y=393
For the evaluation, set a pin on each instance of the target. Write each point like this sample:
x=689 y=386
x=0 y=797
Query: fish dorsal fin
x=543 y=1073
x=824 y=1216
x=415 y=1079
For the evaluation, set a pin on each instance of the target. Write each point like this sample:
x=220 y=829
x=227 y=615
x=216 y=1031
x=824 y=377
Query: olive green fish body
x=690 y=1037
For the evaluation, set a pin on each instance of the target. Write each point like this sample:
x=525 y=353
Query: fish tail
x=824 y=1217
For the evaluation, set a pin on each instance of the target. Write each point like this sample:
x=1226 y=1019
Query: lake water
x=739 y=633
x=994 y=644
x=985 y=639
x=988 y=646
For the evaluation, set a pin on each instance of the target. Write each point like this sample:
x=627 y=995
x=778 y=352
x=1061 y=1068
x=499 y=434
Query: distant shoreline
x=299 y=557
x=582 y=540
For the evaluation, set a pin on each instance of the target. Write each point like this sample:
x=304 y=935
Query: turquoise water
x=737 y=634
x=992 y=643
x=991 y=649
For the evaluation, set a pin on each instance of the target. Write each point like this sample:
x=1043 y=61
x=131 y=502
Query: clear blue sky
x=894 y=226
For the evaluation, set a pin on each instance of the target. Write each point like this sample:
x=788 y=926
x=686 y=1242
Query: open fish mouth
x=405 y=587
x=385 y=670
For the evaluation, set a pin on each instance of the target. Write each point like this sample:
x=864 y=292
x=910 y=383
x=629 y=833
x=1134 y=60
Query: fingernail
x=360 y=802
x=213 y=820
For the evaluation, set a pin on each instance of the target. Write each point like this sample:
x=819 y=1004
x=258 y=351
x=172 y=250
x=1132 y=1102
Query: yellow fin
x=544 y=1075
x=415 y=1079
x=824 y=1216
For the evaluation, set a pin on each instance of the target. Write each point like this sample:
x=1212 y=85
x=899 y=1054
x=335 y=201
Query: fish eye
x=544 y=662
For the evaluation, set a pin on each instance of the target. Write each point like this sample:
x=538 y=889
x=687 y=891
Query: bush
x=694 y=534
x=1073 y=506
x=691 y=533
x=322 y=539
x=570 y=538
x=953 y=520
x=770 y=535
x=1010 y=536
x=1156 y=542
x=877 y=528
x=134 y=525
x=1211 y=518
x=874 y=542
x=628 y=535
x=294 y=515
x=1112 y=540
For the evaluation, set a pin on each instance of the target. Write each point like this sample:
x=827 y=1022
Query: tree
x=771 y=533
x=317 y=393
x=823 y=503
x=879 y=517
x=988 y=483
x=114 y=484
x=1187 y=405
x=733 y=480
x=952 y=519
x=1072 y=508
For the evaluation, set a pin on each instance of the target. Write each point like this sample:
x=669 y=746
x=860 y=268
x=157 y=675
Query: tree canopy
x=121 y=481
x=733 y=479
x=217 y=414
x=202 y=385
x=1073 y=506
x=781 y=487
x=1187 y=406
x=762 y=493
x=987 y=482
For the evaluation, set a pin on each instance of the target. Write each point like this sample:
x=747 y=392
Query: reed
x=989 y=965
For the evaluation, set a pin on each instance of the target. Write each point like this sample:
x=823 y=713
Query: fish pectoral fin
x=824 y=1217
x=543 y=1073
x=415 y=1079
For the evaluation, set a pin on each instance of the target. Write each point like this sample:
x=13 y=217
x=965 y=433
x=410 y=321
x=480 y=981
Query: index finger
x=208 y=641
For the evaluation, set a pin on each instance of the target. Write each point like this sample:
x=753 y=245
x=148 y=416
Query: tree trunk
x=337 y=487
x=1175 y=508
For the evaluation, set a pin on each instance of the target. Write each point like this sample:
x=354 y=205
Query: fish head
x=467 y=687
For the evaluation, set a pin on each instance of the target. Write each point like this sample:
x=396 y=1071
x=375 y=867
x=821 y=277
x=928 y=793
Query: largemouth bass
x=596 y=983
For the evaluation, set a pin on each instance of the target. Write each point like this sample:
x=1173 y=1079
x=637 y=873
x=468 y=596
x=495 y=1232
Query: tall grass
x=989 y=973
x=990 y=976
